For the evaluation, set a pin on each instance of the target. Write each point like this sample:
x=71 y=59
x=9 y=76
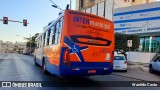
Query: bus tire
x=44 y=66
x=35 y=62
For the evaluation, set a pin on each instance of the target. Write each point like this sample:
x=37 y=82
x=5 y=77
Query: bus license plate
x=91 y=71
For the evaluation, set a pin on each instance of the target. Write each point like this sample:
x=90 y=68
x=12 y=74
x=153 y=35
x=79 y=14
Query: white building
x=142 y=20
x=104 y=8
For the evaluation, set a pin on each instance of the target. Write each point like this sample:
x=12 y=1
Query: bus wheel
x=44 y=67
x=35 y=61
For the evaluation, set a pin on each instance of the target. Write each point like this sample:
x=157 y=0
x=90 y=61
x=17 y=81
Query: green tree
x=32 y=42
x=121 y=41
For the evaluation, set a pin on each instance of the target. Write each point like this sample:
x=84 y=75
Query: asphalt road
x=17 y=67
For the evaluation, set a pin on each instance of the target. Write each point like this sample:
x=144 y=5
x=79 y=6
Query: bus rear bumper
x=86 y=71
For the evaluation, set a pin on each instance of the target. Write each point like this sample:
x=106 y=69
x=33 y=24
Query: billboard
x=138 y=19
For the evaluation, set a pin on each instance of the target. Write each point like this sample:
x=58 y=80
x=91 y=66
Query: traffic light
x=5 y=20
x=24 y=22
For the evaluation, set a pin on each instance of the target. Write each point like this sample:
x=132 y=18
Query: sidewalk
x=139 y=71
x=142 y=66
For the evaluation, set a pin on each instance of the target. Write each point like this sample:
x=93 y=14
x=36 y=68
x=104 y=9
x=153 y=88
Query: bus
x=76 y=44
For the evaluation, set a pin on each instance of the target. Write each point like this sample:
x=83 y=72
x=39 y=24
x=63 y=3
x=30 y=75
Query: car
x=120 y=62
x=154 y=64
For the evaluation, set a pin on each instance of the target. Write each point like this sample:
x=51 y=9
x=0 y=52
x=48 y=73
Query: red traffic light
x=24 y=22
x=5 y=20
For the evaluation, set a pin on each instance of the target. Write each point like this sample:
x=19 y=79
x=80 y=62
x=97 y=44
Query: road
x=17 y=67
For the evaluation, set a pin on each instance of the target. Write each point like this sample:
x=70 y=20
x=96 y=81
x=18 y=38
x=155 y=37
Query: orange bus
x=76 y=44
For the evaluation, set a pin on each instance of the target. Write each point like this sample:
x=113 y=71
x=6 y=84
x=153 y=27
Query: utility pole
x=70 y=4
x=30 y=40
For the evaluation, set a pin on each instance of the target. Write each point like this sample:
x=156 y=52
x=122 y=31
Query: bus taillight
x=66 y=57
x=112 y=58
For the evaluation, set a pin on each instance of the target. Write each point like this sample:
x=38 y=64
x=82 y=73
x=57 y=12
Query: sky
x=37 y=12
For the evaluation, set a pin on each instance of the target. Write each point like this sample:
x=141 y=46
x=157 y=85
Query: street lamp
x=55 y=5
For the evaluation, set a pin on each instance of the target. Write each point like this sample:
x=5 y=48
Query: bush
x=121 y=41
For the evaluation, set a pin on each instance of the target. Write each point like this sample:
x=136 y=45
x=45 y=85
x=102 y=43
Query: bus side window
x=37 y=43
x=40 y=41
x=56 y=33
x=53 y=30
x=60 y=29
x=48 y=36
x=44 y=36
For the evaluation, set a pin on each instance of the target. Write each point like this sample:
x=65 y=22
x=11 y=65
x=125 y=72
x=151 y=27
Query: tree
x=32 y=42
x=121 y=41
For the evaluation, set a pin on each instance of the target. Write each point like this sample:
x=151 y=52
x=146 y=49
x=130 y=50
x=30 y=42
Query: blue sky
x=38 y=13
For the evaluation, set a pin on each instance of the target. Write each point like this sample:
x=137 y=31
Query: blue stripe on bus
x=75 y=48
x=137 y=11
x=135 y=20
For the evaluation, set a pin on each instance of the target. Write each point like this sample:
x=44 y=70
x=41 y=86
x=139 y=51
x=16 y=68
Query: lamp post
x=55 y=5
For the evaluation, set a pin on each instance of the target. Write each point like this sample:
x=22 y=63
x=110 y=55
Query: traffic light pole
x=13 y=21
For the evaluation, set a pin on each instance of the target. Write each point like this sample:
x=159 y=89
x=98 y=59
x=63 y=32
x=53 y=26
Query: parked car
x=120 y=62
x=155 y=64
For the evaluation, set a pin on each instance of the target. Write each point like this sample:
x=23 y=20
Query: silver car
x=120 y=62
x=155 y=64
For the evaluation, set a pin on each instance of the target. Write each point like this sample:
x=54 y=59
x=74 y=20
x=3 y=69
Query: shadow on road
x=73 y=81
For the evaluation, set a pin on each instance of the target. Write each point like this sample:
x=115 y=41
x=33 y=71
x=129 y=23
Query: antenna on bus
x=67 y=7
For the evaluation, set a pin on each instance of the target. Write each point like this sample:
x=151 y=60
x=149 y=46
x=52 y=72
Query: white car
x=120 y=62
x=155 y=64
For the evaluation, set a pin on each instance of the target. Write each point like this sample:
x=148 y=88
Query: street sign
x=129 y=43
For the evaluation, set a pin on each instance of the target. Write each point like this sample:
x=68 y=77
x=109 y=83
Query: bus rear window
x=90 y=40
x=90 y=29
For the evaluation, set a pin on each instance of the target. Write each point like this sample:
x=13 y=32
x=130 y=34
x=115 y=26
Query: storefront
x=150 y=44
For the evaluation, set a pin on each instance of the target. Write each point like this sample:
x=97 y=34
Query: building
x=142 y=20
x=137 y=2
x=104 y=8
x=84 y=4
